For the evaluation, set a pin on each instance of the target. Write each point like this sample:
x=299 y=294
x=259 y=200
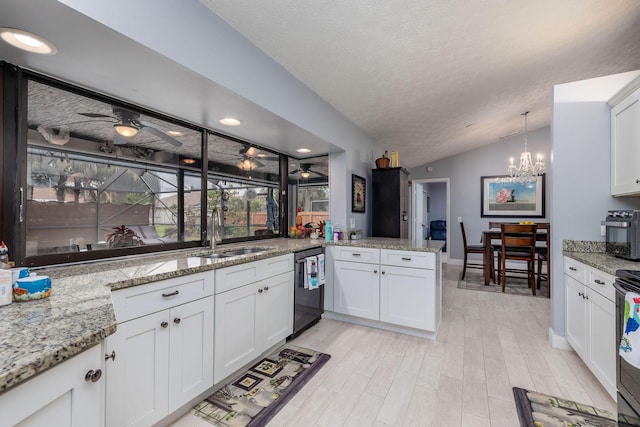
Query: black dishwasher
x=308 y=303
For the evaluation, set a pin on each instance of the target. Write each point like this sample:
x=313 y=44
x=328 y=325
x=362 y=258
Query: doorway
x=430 y=202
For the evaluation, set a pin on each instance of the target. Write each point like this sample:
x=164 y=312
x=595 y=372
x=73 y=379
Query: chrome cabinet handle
x=406 y=259
x=637 y=181
x=93 y=376
x=581 y=294
x=260 y=290
x=177 y=320
x=355 y=254
x=170 y=294
x=599 y=282
x=383 y=272
x=573 y=269
x=111 y=356
x=164 y=324
x=375 y=271
x=266 y=288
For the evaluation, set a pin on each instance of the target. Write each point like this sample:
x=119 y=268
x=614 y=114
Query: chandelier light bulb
x=526 y=171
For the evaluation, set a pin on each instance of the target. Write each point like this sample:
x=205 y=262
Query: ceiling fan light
x=305 y=174
x=246 y=165
x=27 y=41
x=188 y=161
x=303 y=150
x=125 y=130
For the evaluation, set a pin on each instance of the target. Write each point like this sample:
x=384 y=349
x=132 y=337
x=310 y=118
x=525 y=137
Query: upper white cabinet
x=253 y=311
x=625 y=145
x=590 y=319
x=70 y=394
x=162 y=350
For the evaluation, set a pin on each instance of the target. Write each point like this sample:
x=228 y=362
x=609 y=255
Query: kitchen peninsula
x=80 y=315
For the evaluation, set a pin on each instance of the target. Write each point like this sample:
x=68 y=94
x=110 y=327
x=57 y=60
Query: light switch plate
x=352 y=223
x=459 y=219
x=603 y=230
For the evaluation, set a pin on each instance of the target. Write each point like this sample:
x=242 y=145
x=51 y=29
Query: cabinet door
x=357 y=289
x=237 y=329
x=60 y=396
x=602 y=342
x=625 y=150
x=576 y=315
x=137 y=380
x=407 y=297
x=191 y=351
x=277 y=309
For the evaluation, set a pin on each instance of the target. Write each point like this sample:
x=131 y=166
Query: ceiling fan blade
x=118 y=139
x=318 y=173
x=258 y=163
x=98 y=115
x=162 y=135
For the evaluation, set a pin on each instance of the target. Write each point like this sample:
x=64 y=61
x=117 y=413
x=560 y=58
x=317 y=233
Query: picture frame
x=501 y=197
x=358 y=193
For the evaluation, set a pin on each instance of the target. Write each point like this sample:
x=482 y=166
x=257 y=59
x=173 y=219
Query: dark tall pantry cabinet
x=390 y=203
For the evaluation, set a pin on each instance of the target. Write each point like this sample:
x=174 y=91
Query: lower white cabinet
x=407 y=297
x=163 y=359
x=70 y=394
x=590 y=320
x=357 y=289
x=392 y=286
x=253 y=317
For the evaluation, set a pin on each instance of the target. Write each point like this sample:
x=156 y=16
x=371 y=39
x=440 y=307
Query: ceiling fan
x=128 y=124
x=251 y=158
x=306 y=171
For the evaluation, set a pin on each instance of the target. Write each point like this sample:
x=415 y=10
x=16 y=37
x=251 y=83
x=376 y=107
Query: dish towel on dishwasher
x=311 y=272
x=630 y=342
x=321 y=279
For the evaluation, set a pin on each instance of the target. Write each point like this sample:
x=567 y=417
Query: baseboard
x=558 y=341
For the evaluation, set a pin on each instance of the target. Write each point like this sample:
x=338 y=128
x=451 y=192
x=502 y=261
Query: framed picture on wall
x=501 y=197
x=358 y=196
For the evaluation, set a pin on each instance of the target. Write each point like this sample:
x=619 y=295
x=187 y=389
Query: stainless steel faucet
x=215 y=214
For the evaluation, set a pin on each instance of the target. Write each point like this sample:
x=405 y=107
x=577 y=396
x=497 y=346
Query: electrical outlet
x=603 y=230
x=459 y=219
x=352 y=223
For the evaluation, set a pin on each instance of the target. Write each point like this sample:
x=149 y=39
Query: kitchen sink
x=244 y=251
x=214 y=256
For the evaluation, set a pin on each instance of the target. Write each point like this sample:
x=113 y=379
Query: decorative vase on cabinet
x=390 y=203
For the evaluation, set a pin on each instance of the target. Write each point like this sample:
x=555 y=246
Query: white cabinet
x=69 y=394
x=391 y=286
x=163 y=351
x=625 y=146
x=254 y=311
x=590 y=320
x=357 y=289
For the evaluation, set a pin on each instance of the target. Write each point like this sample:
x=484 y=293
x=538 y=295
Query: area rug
x=541 y=410
x=474 y=280
x=256 y=396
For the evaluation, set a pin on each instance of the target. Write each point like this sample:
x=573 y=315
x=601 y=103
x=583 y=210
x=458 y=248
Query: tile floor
x=487 y=343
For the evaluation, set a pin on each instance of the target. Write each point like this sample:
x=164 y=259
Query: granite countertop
x=37 y=335
x=603 y=262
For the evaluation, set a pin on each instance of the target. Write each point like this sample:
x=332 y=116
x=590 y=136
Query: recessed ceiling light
x=303 y=150
x=174 y=133
x=188 y=161
x=229 y=121
x=27 y=41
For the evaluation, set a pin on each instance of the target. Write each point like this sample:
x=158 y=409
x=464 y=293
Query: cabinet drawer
x=408 y=258
x=238 y=275
x=354 y=254
x=138 y=301
x=574 y=269
x=601 y=282
x=278 y=265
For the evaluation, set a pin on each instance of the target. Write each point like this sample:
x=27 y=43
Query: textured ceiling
x=432 y=79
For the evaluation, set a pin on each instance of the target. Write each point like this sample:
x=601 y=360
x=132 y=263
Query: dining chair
x=542 y=254
x=474 y=249
x=518 y=243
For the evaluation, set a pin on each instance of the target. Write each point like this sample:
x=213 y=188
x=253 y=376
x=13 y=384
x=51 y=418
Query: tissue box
x=5 y=287
x=32 y=287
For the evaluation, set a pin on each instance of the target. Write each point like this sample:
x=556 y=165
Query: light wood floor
x=487 y=343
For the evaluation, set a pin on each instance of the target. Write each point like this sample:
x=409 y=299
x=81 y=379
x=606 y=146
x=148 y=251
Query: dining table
x=543 y=234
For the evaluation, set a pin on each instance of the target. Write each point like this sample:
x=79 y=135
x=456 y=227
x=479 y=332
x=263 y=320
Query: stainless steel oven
x=627 y=376
x=623 y=233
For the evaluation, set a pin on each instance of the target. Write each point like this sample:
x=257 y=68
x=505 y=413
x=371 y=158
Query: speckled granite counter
x=37 y=335
x=592 y=254
x=389 y=243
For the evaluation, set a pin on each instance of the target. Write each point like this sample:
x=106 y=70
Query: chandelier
x=527 y=171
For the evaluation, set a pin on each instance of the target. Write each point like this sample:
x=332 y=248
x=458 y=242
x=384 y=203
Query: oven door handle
x=621 y=288
x=617 y=224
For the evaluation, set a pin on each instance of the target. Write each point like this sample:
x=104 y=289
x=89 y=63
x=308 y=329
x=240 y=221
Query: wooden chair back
x=519 y=238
